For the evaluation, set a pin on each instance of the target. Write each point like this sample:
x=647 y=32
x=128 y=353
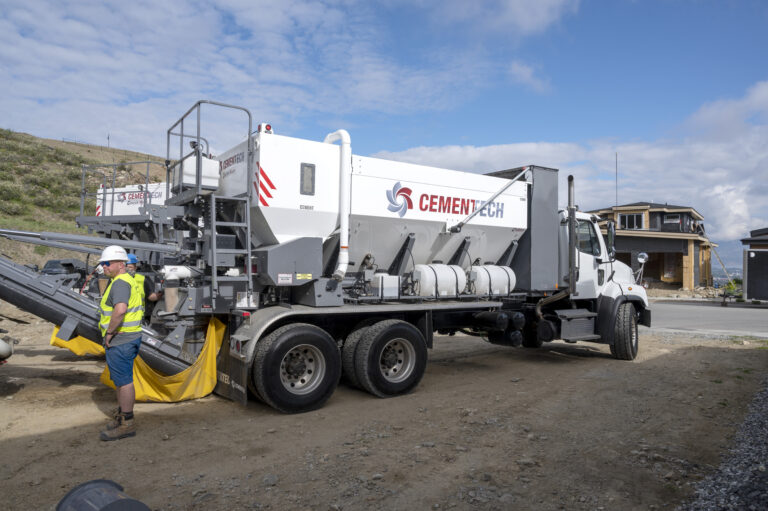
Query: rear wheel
x=390 y=358
x=625 y=339
x=348 y=356
x=296 y=368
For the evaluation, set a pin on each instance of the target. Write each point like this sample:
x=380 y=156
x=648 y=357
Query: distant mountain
x=730 y=252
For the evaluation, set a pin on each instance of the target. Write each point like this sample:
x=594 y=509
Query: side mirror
x=642 y=258
x=611 y=232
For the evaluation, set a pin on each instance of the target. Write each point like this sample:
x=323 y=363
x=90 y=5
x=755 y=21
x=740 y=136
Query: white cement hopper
x=296 y=194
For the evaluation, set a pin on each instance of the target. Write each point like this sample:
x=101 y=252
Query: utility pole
x=107 y=140
x=617 y=178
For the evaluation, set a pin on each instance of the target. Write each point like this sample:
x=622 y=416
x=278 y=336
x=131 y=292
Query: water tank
x=439 y=280
x=492 y=280
x=209 y=174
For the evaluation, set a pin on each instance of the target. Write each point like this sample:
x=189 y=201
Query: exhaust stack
x=345 y=175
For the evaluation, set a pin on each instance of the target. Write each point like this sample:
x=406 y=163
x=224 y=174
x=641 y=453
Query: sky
x=678 y=89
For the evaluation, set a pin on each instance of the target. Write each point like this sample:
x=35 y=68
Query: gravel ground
x=563 y=427
x=741 y=481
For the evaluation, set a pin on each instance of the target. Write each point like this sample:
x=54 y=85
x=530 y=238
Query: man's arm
x=119 y=297
x=149 y=290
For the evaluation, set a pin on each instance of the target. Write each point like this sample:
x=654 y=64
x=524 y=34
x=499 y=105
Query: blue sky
x=679 y=88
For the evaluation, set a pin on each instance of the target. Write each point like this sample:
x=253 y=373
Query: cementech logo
x=399 y=198
x=400 y=202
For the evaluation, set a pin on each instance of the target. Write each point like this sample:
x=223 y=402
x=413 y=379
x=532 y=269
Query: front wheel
x=390 y=358
x=296 y=368
x=625 y=339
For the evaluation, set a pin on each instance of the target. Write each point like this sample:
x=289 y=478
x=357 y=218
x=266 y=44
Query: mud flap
x=645 y=317
x=232 y=373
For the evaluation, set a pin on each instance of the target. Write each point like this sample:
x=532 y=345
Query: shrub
x=64 y=204
x=12 y=208
x=10 y=192
x=74 y=174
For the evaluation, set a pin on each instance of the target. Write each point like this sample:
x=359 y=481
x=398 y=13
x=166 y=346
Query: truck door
x=591 y=276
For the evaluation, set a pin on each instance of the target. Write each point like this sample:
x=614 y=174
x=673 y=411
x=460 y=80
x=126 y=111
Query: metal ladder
x=242 y=231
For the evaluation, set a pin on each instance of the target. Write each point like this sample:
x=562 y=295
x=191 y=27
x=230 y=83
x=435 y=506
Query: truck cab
x=607 y=303
x=598 y=270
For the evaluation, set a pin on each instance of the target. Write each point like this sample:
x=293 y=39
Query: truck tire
x=296 y=368
x=348 y=356
x=532 y=342
x=531 y=337
x=390 y=358
x=625 y=339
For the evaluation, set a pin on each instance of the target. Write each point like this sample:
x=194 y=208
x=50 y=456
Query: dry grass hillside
x=41 y=182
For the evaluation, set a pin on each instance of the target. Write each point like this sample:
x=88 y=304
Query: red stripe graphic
x=263 y=202
x=266 y=192
x=266 y=178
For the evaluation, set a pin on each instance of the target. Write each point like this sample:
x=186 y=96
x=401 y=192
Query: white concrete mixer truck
x=325 y=263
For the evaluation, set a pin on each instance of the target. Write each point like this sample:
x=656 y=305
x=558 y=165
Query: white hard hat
x=6 y=349
x=113 y=253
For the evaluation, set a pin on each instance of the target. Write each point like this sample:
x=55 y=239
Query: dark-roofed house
x=679 y=252
x=756 y=265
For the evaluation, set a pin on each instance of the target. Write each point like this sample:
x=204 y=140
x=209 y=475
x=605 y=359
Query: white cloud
x=76 y=69
x=723 y=173
x=730 y=118
x=487 y=158
x=525 y=75
x=519 y=17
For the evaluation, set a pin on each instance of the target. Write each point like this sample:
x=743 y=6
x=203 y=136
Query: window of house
x=672 y=219
x=587 y=240
x=631 y=221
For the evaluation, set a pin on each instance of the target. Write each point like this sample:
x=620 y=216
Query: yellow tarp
x=198 y=380
x=79 y=345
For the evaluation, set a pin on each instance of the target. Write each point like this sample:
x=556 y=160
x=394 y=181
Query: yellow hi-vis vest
x=139 y=278
x=134 y=314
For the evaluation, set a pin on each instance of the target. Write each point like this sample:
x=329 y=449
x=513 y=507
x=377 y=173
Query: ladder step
x=221 y=199
x=569 y=314
x=588 y=337
x=231 y=224
x=236 y=251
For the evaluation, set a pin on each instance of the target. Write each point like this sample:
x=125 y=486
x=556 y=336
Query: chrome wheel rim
x=302 y=369
x=397 y=360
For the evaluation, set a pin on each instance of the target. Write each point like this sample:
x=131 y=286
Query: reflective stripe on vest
x=134 y=313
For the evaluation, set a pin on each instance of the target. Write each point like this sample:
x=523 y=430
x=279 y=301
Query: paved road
x=709 y=318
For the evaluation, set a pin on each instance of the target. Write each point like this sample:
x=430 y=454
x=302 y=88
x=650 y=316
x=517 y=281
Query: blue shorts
x=120 y=362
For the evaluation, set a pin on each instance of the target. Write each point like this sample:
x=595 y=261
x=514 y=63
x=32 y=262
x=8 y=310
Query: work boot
x=114 y=420
x=119 y=428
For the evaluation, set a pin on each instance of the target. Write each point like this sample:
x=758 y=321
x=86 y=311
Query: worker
x=120 y=325
x=145 y=284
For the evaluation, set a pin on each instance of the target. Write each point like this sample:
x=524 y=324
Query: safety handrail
x=181 y=135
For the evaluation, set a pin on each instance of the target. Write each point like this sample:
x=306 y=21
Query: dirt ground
x=562 y=427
